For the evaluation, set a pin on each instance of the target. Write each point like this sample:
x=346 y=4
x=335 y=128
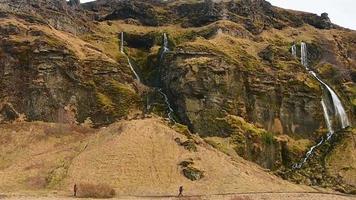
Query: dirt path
x=240 y=196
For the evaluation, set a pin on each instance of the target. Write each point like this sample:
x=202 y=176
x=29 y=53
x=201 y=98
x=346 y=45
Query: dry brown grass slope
x=138 y=157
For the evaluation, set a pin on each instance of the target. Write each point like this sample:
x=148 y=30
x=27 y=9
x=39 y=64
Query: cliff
x=229 y=74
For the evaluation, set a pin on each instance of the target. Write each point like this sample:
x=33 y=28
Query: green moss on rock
x=117 y=99
x=193 y=173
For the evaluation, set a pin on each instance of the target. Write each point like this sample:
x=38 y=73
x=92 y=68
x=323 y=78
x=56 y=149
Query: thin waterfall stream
x=294 y=50
x=170 y=108
x=339 y=111
x=127 y=57
x=164 y=50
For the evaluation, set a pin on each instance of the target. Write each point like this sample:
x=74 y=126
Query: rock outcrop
x=322 y=21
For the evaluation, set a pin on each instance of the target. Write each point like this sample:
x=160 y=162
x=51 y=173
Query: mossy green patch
x=268 y=138
x=180 y=128
x=239 y=123
x=117 y=99
x=56 y=176
x=193 y=173
x=221 y=144
x=106 y=102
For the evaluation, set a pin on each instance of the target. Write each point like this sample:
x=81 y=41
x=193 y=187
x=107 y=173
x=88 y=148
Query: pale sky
x=341 y=12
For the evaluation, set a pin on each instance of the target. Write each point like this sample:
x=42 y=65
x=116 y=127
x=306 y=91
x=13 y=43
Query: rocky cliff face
x=55 y=13
x=255 y=15
x=206 y=86
x=49 y=74
x=229 y=74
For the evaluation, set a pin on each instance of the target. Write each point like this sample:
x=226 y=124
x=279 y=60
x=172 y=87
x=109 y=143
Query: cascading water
x=339 y=110
x=165 y=43
x=164 y=47
x=127 y=57
x=164 y=50
x=122 y=43
x=170 y=109
x=327 y=120
x=307 y=155
x=294 y=50
x=304 y=55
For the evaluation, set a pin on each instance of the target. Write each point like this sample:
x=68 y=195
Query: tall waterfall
x=122 y=42
x=304 y=55
x=294 y=50
x=164 y=50
x=165 y=43
x=164 y=46
x=128 y=59
x=339 y=111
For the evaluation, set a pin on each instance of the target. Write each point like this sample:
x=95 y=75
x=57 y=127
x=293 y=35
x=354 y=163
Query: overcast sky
x=341 y=12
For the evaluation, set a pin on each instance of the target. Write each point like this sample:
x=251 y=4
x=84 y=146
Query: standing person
x=180 y=191
x=75 y=190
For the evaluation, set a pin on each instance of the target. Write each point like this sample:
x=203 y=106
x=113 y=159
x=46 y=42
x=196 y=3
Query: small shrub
x=190 y=145
x=268 y=138
x=88 y=190
x=186 y=163
x=182 y=129
x=177 y=140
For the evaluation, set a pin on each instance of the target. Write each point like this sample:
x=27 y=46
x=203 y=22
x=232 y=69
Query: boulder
x=193 y=173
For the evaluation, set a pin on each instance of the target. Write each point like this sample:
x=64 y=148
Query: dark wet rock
x=145 y=41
